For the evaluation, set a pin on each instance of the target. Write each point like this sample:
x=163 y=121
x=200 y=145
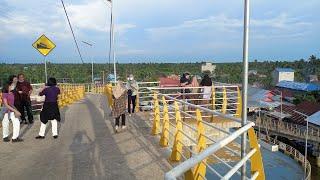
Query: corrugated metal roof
x=257 y=98
x=298 y=86
x=306 y=107
x=315 y=118
x=284 y=70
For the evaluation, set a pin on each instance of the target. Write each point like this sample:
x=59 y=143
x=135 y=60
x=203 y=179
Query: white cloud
x=219 y=23
x=277 y=27
x=90 y=15
x=166 y=27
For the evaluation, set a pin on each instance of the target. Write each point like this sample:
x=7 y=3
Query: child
x=10 y=112
x=50 y=110
x=119 y=95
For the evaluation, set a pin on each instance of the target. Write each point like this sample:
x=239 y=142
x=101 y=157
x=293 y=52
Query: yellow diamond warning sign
x=44 y=45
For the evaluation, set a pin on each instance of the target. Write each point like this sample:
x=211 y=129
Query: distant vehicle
x=110 y=78
x=97 y=80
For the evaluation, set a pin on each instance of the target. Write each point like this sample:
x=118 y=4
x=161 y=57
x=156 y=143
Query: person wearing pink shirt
x=10 y=112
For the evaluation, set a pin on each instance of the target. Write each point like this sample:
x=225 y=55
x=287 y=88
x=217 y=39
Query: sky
x=160 y=31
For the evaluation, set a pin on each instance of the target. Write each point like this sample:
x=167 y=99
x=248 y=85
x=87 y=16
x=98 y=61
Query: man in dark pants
x=24 y=89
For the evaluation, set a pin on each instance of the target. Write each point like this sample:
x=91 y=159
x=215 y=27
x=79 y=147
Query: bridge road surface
x=87 y=148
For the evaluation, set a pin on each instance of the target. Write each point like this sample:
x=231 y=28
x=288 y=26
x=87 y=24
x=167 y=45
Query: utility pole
x=92 y=79
x=103 y=80
x=113 y=49
x=90 y=45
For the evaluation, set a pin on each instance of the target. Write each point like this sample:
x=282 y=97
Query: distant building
x=298 y=86
x=208 y=67
x=261 y=98
x=110 y=78
x=313 y=78
x=283 y=74
x=253 y=72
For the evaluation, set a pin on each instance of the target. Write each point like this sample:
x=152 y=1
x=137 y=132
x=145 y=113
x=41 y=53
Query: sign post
x=44 y=45
x=45 y=68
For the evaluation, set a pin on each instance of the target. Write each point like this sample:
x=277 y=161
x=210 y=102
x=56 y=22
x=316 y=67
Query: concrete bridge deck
x=87 y=148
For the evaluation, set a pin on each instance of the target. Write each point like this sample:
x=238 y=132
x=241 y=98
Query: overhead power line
x=74 y=38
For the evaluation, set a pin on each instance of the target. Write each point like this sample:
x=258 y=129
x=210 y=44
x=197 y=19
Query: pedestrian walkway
x=87 y=148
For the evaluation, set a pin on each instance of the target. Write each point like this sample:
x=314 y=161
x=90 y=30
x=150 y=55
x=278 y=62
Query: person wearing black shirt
x=184 y=81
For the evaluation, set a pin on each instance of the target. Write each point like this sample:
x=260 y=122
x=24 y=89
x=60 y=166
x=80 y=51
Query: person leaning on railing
x=185 y=81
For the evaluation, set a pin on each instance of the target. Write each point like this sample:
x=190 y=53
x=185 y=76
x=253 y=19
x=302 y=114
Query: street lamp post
x=103 y=80
x=245 y=81
x=306 y=142
x=89 y=44
x=112 y=41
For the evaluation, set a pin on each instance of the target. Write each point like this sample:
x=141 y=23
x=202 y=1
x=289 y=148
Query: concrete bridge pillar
x=316 y=153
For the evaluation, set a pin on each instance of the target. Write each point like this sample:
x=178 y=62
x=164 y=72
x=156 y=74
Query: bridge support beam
x=316 y=152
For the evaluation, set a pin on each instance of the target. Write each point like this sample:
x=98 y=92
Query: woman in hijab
x=10 y=112
x=206 y=82
x=119 y=95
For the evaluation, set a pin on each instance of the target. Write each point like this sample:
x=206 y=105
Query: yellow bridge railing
x=198 y=132
x=198 y=142
x=70 y=93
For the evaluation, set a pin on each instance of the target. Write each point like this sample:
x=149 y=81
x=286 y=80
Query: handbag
x=2 y=112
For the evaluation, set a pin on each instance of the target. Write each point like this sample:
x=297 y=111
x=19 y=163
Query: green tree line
x=225 y=72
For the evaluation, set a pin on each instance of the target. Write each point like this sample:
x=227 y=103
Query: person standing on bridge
x=119 y=95
x=132 y=87
x=185 y=81
x=206 y=83
x=24 y=89
x=10 y=112
x=50 y=110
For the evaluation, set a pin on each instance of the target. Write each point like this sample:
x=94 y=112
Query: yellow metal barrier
x=177 y=144
x=213 y=97
x=239 y=105
x=108 y=93
x=166 y=125
x=182 y=141
x=156 y=121
x=213 y=100
x=70 y=94
x=137 y=108
x=256 y=158
x=224 y=101
x=198 y=172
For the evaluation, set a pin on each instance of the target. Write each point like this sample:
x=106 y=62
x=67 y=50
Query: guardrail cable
x=74 y=38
